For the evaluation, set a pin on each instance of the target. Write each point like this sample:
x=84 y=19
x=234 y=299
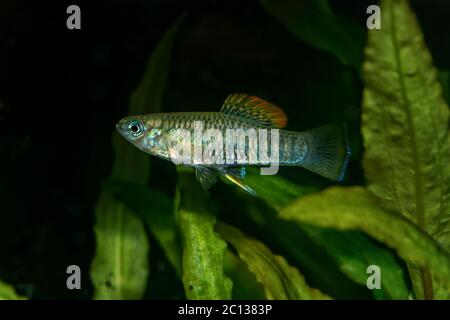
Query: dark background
x=62 y=91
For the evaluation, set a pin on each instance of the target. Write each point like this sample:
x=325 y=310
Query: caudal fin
x=328 y=151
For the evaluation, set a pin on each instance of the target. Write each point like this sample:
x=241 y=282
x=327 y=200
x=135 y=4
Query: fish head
x=144 y=132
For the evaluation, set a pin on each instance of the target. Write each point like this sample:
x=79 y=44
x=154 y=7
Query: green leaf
x=245 y=285
x=161 y=222
x=353 y=251
x=203 y=250
x=354 y=208
x=279 y=280
x=310 y=256
x=120 y=267
x=314 y=22
x=7 y=292
x=158 y=216
x=405 y=129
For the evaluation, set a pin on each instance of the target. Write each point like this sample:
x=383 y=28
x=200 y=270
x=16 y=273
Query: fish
x=247 y=131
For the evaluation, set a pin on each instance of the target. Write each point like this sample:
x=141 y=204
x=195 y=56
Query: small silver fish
x=246 y=132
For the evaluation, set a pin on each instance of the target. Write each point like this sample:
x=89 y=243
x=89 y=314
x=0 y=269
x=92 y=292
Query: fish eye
x=135 y=128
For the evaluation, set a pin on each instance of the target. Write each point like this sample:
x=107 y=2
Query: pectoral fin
x=236 y=176
x=206 y=176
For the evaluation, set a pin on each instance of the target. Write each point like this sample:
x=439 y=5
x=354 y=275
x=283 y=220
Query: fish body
x=246 y=132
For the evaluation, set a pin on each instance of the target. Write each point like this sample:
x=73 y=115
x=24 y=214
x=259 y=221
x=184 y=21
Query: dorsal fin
x=251 y=107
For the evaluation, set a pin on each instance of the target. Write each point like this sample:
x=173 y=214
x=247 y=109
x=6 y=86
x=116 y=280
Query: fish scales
x=292 y=145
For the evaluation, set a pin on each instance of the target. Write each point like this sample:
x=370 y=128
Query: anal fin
x=236 y=176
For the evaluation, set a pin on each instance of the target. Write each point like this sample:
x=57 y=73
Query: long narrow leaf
x=405 y=128
x=120 y=267
x=203 y=250
x=158 y=216
x=245 y=285
x=279 y=280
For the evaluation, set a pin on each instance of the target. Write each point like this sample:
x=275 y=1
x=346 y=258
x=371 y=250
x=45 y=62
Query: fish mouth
x=119 y=128
x=121 y=125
